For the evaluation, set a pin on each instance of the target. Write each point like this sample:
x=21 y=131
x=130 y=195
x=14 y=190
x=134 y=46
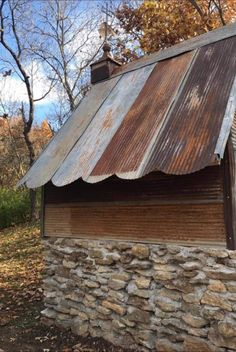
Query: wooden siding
x=229 y=194
x=147 y=223
x=203 y=186
x=156 y=208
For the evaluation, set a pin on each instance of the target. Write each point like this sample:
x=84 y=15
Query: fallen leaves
x=21 y=268
x=21 y=263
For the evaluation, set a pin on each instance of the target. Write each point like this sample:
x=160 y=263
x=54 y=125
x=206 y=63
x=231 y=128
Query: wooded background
x=53 y=43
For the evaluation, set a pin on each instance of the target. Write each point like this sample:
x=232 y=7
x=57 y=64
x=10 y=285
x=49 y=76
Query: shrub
x=14 y=206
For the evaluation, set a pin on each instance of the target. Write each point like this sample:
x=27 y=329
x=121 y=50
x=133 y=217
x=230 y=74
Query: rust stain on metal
x=127 y=147
x=167 y=116
x=86 y=152
x=59 y=147
x=188 y=141
x=107 y=123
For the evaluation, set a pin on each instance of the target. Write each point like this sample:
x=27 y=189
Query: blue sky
x=13 y=90
x=41 y=111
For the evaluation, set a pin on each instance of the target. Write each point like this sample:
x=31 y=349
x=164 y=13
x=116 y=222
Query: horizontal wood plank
x=188 y=223
x=203 y=186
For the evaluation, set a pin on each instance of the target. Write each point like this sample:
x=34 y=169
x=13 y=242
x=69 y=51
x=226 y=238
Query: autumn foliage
x=14 y=159
x=155 y=25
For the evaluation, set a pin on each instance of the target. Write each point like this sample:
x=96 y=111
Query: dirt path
x=21 y=331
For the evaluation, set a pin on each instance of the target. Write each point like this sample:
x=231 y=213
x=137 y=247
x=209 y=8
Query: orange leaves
x=160 y=24
x=14 y=158
x=40 y=135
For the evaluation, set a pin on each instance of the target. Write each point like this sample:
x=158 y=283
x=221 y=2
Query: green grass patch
x=14 y=207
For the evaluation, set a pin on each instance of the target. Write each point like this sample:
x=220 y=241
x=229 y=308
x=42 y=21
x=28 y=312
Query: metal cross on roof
x=105 y=29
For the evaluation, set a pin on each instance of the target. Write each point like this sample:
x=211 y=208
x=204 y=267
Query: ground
x=21 y=268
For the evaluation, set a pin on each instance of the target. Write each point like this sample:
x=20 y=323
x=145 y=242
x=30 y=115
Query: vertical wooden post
x=42 y=212
x=230 y=194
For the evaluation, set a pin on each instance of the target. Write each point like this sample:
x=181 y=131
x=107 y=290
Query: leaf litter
x=21 y=299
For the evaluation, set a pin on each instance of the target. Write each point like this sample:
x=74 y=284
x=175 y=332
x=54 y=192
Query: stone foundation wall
x=146 y=297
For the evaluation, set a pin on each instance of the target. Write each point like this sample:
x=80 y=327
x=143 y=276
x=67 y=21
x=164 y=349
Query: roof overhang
x=170 y=111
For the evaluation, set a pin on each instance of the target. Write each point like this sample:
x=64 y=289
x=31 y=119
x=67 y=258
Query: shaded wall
x=155 y=208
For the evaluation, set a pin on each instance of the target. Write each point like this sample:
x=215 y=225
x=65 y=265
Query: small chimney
x=104 y=67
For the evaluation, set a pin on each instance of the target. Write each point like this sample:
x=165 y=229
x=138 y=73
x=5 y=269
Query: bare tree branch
x=66 y=31
x=46 y=93
x=11 y=20
x=220 y=10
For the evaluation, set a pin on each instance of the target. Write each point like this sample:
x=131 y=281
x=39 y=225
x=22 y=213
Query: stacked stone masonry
x=146 y=297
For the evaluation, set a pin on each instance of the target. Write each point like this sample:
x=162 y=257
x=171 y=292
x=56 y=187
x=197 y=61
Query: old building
x=139 y=201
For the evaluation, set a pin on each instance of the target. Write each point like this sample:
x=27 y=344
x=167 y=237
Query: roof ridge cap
x=196 y=42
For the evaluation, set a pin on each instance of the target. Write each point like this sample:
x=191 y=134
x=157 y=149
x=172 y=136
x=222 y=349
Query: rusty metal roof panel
x=145 y=118
x=56 y=151
x=173 y=115
x=87 y=151
x=188 y=141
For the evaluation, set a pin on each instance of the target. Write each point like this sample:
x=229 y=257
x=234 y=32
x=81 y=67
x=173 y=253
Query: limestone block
x=214 y=299
x=146 y=338
x=140 y=251
x=80 y=328
x=116 y=284
x=137 y=264
x=140 y=303
x=180 y=284
x=49 y=313
x=164 y=275
x=221 y=272
x=114 y=307
x=103 y=310
x=164 y=345
x=194 y=321
x=231 y=286
x=192 y=265
x=216 y=253
x=196 y=344
x=216 y=286
x=167 y=305
x=227 y=328
x=219 y=340
x=213 y=313
x=117 y=324
x=122 y=276
x=142 y=282
x=117 y=296
x=137 y=315
x=200 y=278
x=91 y=284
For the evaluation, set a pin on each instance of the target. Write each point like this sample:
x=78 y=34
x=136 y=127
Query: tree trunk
x=33 y=210
x=29 y=144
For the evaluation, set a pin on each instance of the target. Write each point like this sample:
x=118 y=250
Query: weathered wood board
x=152 y=223
x=156 y=208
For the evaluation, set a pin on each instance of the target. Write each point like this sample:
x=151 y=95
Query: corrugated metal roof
x=173 y=115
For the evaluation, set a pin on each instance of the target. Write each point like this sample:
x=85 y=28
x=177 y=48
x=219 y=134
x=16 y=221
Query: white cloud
x=13 y=89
